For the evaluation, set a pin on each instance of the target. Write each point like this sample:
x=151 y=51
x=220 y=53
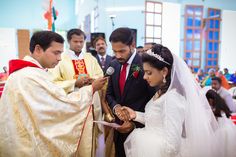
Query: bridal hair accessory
x=149 y=52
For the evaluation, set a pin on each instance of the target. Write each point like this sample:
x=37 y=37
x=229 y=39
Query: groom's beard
x=123 y=61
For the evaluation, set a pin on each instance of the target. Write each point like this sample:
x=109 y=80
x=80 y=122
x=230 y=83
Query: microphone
x=109 y=71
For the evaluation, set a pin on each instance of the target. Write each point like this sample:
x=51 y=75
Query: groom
x=126 y=86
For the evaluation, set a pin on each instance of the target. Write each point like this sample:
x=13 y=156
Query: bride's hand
x=132 y=113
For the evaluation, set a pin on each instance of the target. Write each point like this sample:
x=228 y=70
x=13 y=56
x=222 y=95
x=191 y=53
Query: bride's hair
x=161 y=57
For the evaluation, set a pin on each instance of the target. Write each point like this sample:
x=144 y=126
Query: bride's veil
x=200 y=123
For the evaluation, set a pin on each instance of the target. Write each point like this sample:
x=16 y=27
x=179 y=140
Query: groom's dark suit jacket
x=136 y=94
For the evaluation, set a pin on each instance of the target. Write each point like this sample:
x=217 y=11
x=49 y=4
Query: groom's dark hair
x=122 y=34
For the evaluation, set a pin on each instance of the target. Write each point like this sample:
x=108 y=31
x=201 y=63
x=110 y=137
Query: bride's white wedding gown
x=227 y=136
x=162 y=135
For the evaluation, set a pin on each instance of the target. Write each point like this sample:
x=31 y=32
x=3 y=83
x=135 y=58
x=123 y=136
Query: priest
x=38 y=118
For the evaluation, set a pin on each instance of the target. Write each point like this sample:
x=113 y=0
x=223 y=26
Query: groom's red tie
x=122 y=78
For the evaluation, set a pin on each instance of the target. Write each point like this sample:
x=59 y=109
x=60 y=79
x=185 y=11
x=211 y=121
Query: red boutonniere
x=135 y=71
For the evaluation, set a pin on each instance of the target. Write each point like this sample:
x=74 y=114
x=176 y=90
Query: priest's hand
x=82 y=82
x=126 y=127
x=99 y=83
x=90 y=80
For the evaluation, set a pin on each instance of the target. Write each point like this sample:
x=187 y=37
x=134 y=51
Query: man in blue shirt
x=233 y=78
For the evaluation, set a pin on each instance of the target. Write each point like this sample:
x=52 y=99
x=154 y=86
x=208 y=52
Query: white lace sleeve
x=173 y=123
x=140 y=117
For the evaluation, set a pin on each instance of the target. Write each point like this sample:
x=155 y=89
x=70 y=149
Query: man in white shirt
x=76 y=68
x=216 y=85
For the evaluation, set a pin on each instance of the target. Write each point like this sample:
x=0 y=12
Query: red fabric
x=122 y=78
x=233 y=117
x=224 y=83
x=1 y=88
x=17 y=64
x=79 y=67
x=84 y=124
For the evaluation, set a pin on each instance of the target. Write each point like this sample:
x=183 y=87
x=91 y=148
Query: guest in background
x=200 y=75
x=226 y=73
x=103 y=58
x=148 y=46
x=233 y=78
x=217 y=86
x=207 y=80
x=217 y=104
x=217 y=70
x=139 y=50
x=224 y=83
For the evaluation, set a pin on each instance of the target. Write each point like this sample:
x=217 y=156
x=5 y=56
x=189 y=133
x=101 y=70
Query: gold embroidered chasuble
x=39 y=119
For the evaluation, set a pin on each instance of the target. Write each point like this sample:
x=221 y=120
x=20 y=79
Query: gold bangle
x=108 y=117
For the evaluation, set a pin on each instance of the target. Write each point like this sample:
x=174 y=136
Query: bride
x=178 y=120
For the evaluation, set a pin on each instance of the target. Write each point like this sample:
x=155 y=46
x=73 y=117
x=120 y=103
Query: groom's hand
x=121 y=113
x=126 y=127
x=132 y=113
